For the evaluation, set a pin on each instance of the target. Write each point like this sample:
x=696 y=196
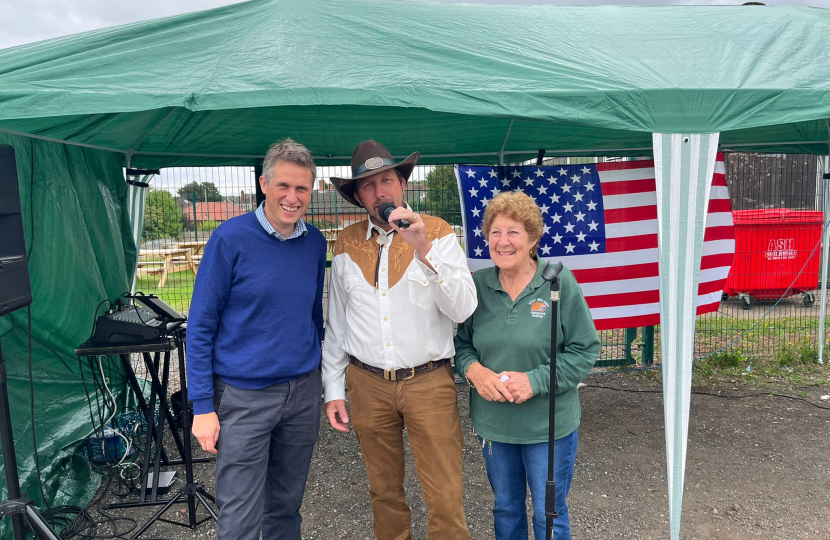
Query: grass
x=777 y=352
x=793 y=365
x=177 y=290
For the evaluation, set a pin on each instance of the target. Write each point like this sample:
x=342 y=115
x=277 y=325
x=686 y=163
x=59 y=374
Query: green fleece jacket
x=514 y=335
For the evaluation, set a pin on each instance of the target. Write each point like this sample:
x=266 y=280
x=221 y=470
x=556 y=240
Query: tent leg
x=825 y=253
x=683 y=166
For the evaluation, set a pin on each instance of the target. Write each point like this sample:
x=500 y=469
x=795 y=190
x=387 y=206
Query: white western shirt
x=404 y=317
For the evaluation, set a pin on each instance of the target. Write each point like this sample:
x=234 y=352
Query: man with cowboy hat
x=394 y=295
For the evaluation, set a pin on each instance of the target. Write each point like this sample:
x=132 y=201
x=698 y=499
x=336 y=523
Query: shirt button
x=384 y=318
x=383 y=269
x=384 y=294
x=441 y=282
x=425 y=282
x=388 y=345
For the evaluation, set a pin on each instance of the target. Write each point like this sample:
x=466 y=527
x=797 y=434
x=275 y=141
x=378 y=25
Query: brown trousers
x=426 y=405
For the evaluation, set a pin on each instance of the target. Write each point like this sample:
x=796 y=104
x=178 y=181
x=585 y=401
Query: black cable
x=32 y=410
x=728 y=396
x=138 y=314
x=31 y=199
x=84 y=526
x=95 y=317
x=88 y=399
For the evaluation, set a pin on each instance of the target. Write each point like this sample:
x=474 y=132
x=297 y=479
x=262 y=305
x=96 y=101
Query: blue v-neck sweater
x=256 y=317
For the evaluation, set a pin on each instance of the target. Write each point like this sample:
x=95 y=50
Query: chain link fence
x=763 y=318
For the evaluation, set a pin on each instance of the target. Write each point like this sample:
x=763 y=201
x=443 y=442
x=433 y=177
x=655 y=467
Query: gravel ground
x=757 y=467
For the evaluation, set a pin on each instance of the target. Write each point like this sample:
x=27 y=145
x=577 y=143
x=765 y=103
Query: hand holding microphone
x=411 y=228
x=386 y=210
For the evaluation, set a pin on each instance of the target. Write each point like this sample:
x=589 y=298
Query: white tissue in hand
x=504 y=378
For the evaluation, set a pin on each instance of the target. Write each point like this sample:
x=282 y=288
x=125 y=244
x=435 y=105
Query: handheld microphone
x=386 y=209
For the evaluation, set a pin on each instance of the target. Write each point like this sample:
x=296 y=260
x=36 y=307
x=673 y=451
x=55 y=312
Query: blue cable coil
x=112 y=447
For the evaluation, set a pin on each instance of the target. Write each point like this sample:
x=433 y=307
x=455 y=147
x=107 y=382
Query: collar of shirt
x=299 y=228
x=536 y=281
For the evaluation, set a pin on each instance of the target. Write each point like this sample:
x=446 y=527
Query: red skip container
x=771 y=247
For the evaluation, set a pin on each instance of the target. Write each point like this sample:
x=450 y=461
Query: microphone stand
x=16 y=506
x=551 y=274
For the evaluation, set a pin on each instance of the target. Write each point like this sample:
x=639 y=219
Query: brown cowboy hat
x=371 y=157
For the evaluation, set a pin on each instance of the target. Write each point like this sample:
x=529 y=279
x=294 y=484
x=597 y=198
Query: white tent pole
x=683 y=166
x=137 y=199
x=825 y=253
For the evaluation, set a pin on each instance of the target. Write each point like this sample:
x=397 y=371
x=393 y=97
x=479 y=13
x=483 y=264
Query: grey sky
x=25 y=21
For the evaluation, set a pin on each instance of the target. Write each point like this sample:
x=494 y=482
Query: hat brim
x=346 y=186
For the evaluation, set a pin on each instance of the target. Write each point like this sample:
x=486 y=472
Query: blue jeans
x=511 y=468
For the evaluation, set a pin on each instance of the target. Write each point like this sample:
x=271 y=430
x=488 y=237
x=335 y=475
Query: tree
x=205 y=192
x=162 y=217
x=442 y=195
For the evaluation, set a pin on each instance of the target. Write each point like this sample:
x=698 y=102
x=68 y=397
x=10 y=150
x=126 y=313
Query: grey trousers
x=266 y=439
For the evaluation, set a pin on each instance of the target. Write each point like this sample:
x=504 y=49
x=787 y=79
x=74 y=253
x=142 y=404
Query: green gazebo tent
x=457 y=82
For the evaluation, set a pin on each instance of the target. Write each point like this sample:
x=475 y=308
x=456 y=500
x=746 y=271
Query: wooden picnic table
x=167 y=260
x=331 y=236
x=196 y=247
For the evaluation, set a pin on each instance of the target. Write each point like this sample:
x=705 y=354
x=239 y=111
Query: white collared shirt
x=408 y=318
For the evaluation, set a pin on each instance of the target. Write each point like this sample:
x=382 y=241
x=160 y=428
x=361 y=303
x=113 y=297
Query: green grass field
x=176 y=292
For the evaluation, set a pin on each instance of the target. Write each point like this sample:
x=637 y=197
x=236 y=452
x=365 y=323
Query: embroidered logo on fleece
x=538 y=308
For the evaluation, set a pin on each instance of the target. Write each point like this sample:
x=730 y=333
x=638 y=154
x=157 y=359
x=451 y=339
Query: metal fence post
x=648 y=345
x=630 y=336
x=195 y=226
x=825 y=251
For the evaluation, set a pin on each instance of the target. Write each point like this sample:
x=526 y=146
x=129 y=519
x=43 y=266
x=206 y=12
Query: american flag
x=601 y=222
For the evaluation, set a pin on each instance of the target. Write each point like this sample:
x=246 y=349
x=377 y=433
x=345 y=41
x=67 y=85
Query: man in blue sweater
x=253 y=364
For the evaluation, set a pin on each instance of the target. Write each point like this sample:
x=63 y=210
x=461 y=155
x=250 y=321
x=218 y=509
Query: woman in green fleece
x=503 y=350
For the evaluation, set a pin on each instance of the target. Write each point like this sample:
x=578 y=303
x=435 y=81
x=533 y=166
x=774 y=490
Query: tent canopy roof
x=450 y=80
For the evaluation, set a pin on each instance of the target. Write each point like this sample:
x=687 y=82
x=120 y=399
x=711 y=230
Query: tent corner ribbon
x=684 y=164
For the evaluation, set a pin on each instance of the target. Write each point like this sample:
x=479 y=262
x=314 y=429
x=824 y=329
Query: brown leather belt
x=399 y=374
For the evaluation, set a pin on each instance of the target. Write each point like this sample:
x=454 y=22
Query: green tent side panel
x=80 y=249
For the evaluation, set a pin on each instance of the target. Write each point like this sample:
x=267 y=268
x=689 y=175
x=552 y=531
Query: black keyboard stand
x=192 y=491
x=159 y=384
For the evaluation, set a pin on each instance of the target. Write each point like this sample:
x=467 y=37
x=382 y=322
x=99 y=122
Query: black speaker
x=15 y=290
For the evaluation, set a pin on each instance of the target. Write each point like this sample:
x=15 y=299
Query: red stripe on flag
x=719 y=205
x=725 y=232
x=716 y=261
x=645 y=320
x=707 y=287
x=623 y=299
x=633 y=271
x=631 y=243
x=708 y=308
x=629 y=186
x=637 y=213
x=624 y=165
x=627 y=322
